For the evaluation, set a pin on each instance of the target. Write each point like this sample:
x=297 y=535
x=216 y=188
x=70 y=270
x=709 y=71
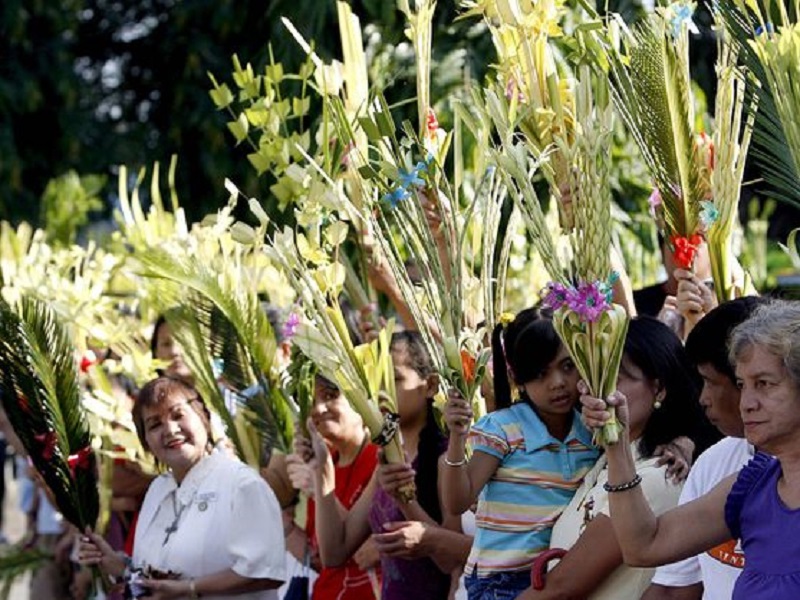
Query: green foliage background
x=86 y=85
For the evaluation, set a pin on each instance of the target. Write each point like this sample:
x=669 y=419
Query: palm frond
x=39 y=385
x=770 y=147
x=651 y=88
x=17 y=561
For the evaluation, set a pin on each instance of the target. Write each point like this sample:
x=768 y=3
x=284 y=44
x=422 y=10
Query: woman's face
x=175 y=433
x=332 y=415
x=168 y=349
x=413 y=390
x=554 y=391
x=641 y=393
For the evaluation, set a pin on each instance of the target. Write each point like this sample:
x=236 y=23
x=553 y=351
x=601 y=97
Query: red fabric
x=347 y=582
x=128 y=548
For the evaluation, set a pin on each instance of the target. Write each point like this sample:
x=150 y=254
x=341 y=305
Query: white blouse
x=222 y=516
x=591 y=499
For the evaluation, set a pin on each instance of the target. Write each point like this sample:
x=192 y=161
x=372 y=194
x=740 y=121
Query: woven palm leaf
x=39 y=386
x=651 y=88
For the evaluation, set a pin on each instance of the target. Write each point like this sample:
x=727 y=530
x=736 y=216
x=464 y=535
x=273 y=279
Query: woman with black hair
x=662 y=390
x=419 y=543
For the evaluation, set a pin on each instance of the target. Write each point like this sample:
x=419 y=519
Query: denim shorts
x=500 y=586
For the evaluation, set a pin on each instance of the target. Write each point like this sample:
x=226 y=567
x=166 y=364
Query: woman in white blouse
x=210 y=520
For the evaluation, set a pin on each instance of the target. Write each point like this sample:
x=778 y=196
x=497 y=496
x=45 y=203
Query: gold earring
x=659 y=398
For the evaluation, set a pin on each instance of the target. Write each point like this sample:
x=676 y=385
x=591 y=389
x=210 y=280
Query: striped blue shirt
x=536 y=478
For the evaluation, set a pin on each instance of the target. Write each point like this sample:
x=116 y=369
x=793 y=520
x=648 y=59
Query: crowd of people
x=696 y=500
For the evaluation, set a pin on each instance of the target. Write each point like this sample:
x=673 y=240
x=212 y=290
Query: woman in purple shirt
x=760 y=505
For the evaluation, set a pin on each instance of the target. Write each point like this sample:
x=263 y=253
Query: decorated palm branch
x=651 y=88
x=523 y=32
x=733 y=128
x=209 y=294
x=363 y=373
x=590 y=324
x=41 y=396
x=402 y=171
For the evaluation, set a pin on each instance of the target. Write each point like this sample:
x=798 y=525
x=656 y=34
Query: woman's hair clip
x=505 y=319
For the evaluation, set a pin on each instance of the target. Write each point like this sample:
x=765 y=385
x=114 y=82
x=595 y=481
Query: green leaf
x=239 y=128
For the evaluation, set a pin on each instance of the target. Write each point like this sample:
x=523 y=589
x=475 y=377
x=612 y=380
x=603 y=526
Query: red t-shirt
x=347 y=582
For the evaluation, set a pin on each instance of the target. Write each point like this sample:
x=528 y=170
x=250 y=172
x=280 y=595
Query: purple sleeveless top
x=769 y=531
x=402 y=579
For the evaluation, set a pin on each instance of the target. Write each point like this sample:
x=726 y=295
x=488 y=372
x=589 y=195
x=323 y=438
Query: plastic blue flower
x=411 y=178
x=396 y=196
x=681 y=13
x=767 y=28
x=708 y=213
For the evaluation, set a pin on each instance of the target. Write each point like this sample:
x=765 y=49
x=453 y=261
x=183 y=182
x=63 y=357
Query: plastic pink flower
x=555 y=295
x=588 y=301
x=290 y=326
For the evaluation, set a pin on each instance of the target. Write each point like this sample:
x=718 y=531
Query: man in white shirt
x=712 y=575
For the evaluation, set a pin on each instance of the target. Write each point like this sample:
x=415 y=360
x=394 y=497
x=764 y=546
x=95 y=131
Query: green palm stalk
x=15 y=562
x=40 y=392
x=732 y=134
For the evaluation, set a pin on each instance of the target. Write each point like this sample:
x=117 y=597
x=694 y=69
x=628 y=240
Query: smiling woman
x=210 y=526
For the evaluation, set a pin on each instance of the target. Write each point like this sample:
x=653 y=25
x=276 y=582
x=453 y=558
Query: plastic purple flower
x=555 y=295
x=654 y=201
x=290 y=326
x=588 y=301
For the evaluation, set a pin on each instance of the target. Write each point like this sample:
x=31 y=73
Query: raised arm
x=462 y=479
x=339 y=533
x=645 y=540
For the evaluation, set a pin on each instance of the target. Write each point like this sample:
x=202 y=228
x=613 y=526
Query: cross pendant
x=170 y=530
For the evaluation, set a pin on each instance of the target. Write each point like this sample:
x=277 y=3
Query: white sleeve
x=255 y=540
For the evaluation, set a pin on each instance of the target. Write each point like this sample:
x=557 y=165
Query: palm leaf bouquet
x=651 y=88
x=207 y=285
x=750 y=27
x=591 y=326
x=733 y=129
x=777 y=46
x=41 y=395
x=364 y=373
x=528 y=67
x=402 y=168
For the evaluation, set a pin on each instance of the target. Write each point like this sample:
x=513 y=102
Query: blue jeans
x=500 y=586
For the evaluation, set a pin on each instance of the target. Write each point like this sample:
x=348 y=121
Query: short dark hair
x=155 y=391
x=708 y=341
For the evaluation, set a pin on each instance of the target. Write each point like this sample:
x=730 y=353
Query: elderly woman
x=210 y=527
x=760 y=505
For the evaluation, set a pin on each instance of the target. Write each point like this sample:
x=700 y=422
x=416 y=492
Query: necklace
x=173 y=527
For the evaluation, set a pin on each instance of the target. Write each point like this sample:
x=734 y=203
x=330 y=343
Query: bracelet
x=193 y=590
x=457 y=463
x=623 y=487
